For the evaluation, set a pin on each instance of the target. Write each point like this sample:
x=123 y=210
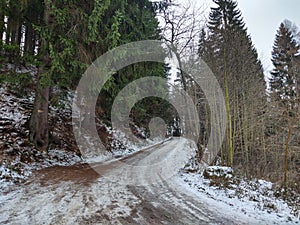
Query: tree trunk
x=14 y=32
x=8 y=31
x=2 y=28
x=30 y=39
x=229 y=121
x=20 y=34
x=39 y=128
x=286 y=151
x=38 y=124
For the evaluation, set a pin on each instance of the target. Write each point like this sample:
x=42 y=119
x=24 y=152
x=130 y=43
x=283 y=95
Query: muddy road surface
x=140 y=189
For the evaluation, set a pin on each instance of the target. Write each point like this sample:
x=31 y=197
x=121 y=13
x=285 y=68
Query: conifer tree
x=229 y=52
x=283 y=76
x=284 y=86
x=33 y=17
x=74 y=35
x=138 y=23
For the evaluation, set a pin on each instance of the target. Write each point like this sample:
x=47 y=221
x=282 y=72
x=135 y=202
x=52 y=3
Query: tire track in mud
x=163 y=204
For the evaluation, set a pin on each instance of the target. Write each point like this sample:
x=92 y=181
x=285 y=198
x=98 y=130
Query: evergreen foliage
x=283 y=77
x=65 y=38
x=228 y=50
x=284 y=90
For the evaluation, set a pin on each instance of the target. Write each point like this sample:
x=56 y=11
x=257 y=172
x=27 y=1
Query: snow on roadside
x=116 y=153
x=121 y=146
x=18 y=158
x=254 y=199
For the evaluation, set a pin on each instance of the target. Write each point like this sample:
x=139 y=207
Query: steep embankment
x=18 y=157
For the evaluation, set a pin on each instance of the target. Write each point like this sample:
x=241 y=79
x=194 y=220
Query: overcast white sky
x=262 y=18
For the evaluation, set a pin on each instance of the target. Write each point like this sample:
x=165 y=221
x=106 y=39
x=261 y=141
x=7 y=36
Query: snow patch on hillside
x=18 y=157
x=251 y=198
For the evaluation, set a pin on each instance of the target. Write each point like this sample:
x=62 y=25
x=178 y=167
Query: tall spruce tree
x=229 y=52
x=283 y=77
x=284 y=86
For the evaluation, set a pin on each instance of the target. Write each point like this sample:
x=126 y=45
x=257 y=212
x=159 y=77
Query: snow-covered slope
x=18 y=157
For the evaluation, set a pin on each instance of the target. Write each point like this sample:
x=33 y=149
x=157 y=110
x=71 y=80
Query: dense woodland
x=60 y=39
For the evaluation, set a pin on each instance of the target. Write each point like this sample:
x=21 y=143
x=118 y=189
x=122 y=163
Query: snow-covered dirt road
x=139 y=189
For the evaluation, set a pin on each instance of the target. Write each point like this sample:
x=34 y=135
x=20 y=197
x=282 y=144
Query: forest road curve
x=144 y=188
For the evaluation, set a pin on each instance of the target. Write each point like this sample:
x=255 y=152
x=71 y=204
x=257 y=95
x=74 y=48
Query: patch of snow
x=11 y=110
x=5 y=176
x=218 y=171
x=121 y=146
x=253 y=200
